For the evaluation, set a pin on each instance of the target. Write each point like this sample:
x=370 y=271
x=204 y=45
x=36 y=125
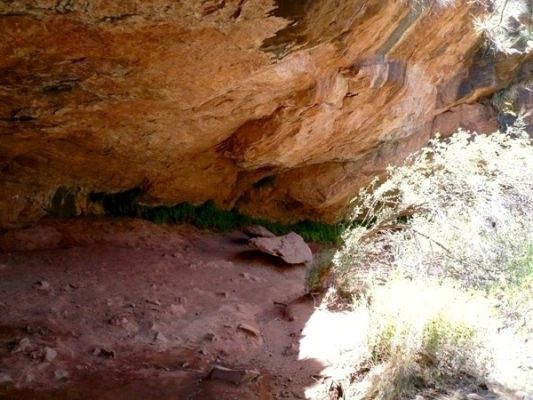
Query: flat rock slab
x=235 y=376
x=291 y=248
x=257 y=231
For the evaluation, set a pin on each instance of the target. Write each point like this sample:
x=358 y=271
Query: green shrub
x=209 y=216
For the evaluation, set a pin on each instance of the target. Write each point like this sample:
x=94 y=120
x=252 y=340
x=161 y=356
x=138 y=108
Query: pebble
x=5 y=378
x=42 y=285
x=118 y=321
x=249 y=329
x=28 y=376
x=23 y=345
x=290 y=350
x=49 y=354
x=210 y=337
x=235 y=376
x=61 y=374
x=177 y=309
x=161 y=337
x=203 y=352
x=100 y=352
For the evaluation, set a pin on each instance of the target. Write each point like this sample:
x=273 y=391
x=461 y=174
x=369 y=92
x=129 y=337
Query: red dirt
x=163 y=302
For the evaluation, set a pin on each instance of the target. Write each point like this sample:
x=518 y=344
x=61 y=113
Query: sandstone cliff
x=281 y=109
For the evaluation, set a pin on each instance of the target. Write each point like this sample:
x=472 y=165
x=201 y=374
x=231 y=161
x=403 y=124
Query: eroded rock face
x=473 y=117
x=281 y=109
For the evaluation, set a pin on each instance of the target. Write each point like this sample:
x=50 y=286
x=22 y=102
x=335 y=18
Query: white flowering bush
x=459 y=209
x=440 y=257
x=507 y=28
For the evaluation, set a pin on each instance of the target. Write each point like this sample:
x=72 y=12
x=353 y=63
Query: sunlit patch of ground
x=341 y=342
x=338 y=340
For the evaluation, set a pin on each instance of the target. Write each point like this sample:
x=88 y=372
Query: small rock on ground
x=49 y=354
x=5 y=378
x=249 y=329
x=235 y=376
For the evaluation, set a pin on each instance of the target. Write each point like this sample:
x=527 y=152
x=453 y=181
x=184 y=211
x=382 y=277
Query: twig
x=503 y=12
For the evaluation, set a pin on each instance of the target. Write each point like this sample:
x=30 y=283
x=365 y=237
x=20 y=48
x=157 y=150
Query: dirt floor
x=125 y=309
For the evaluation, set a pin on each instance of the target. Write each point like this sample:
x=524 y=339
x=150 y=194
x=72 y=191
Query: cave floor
x=125 y=309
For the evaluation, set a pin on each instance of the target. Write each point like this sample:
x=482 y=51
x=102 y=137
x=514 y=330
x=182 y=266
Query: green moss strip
x=208 y=216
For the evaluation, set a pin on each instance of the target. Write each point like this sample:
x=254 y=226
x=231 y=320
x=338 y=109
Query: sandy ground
x=125 y=309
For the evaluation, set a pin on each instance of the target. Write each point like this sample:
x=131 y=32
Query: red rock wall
x=199 y=100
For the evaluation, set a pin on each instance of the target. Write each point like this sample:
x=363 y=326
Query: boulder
x=290 y=248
